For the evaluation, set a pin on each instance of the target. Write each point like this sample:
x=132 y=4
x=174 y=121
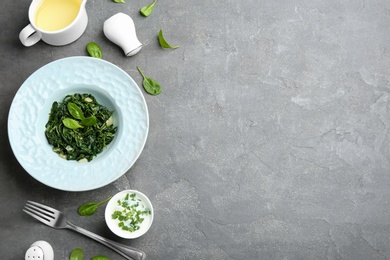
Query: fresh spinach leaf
x=148 y=9
x=94 y=50
x=100 y=257
x=163 y=42
x=71 y=123
x=77 y=254
x=150 y=85
x=90 y=208
x=75 y=111
x=89 y=121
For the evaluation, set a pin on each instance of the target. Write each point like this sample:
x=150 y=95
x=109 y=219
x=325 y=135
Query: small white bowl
x=113 y=206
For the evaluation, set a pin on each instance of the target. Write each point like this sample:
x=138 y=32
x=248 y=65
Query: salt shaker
x=40 y=250
x=120 y=29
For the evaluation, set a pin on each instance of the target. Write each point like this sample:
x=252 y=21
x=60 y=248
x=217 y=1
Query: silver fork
x=56 y=219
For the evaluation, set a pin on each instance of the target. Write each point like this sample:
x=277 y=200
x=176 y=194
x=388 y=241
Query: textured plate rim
x=96 y=163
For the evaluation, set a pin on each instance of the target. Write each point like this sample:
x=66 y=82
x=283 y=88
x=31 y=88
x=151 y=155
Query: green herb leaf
x=71 y=123
x=75 y=111
x=163 y=42
x=94 y=50
x=77 y=254
x=148 y=9
x=89 y=121
x=150 y=85
x=90 y=208
x=119 y=1
x=100 y=257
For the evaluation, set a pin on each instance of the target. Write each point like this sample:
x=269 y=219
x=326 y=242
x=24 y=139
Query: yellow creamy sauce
x=54 y=15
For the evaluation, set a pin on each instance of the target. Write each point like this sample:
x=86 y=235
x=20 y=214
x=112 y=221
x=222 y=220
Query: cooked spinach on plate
x=79 y=127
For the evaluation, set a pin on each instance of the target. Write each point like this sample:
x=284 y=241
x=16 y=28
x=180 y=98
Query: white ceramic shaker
x=120 y=29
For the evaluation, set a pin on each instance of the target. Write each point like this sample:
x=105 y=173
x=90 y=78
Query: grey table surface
x=270 y=139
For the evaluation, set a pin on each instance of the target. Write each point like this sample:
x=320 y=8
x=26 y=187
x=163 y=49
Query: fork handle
x=125 y=251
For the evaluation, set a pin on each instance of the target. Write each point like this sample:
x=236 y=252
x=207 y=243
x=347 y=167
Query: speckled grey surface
x=270 y=139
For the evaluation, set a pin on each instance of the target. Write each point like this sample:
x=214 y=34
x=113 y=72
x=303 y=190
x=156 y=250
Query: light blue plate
x=30 y=110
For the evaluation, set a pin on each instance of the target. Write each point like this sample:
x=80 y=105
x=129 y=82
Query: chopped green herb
x=119 y=1
x=130 y=218
x=79 y=127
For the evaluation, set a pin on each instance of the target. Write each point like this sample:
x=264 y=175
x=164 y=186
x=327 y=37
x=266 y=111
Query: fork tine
x=42 y=219
x=42 y=206
x=40 y=212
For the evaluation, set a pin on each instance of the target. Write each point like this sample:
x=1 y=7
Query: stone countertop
x=270 y=139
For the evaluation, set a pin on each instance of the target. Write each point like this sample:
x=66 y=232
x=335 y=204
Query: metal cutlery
x=56 y=219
